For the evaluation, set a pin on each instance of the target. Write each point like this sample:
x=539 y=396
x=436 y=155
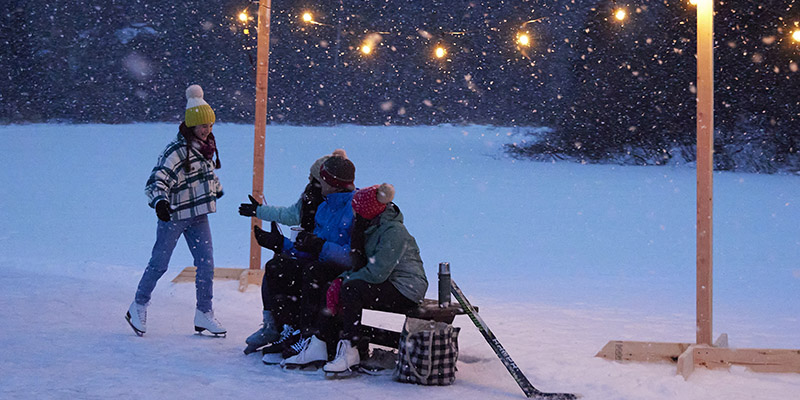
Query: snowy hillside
x=560 y=257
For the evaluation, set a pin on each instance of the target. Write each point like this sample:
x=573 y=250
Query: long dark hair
x=188 y=134
x=358 y=256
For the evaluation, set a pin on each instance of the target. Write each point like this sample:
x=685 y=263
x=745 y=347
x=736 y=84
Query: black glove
x=357 y=259
x=163 y=210
x=272 y=240
x=249 y=209
x=309 y=242
x=220 y=194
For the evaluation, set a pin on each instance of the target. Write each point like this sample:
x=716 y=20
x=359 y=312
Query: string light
x=307 y=17
x=620 y=14
x=440 y=52
x=523 y=39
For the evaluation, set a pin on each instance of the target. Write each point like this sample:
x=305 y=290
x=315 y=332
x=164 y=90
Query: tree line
x=610 y=90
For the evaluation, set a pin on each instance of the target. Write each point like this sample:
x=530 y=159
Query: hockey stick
x=516 y=373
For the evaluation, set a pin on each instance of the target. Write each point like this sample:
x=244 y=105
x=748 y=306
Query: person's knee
x=353 y=289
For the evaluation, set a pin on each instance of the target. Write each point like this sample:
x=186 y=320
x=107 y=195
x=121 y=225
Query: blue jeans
x=197 y=233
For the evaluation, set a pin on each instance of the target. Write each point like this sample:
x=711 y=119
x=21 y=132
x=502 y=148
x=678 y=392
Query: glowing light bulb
x=524 y=40
x=366 y=49
x=620 y=14
x=796 y=35
x=307 y=17
x=440 y=52
x=693 y=2
x=243 y=16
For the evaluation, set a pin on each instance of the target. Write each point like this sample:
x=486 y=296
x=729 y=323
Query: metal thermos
x=444 y=284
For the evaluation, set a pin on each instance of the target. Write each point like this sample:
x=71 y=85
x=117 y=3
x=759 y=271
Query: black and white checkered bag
x=427 y=353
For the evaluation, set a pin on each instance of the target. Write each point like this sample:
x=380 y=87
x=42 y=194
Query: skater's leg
x=282 y=276
x=358 y=294
x=167 y=235
x=198 y=237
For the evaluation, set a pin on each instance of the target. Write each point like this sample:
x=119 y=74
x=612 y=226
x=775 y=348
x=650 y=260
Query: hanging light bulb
x=523 y=39
x=366 y=49
x=796 y=35
x=243 y=17
x=440 y=52
x=307 y=17
x=620 y=14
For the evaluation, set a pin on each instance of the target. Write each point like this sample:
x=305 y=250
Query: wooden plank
x=686 y=362
x=188 y=274
x=619 y=350
x=260 y=125
x=705 y=168
x=757 y=360
x=250 y=277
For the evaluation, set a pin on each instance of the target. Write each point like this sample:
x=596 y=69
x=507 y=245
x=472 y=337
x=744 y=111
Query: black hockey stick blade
x=523 y=382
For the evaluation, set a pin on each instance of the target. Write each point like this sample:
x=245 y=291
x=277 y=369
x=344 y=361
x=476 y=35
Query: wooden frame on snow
x=703 y=353
x=244 y=276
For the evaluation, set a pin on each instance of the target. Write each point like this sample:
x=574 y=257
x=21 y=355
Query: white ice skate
x=312 y=355
x=347 y=358
x=137 y=318
x=205 y=321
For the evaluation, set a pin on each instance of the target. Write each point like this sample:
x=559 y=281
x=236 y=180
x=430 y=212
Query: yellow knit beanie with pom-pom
x=198 y=112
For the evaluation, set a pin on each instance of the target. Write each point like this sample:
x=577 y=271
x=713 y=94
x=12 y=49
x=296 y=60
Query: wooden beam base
x=243 y=275
x=619 y=350
x=690 y=356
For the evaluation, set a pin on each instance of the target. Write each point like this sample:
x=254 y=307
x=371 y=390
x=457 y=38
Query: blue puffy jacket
x=333 y=222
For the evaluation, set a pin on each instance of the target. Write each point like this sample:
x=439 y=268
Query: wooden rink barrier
x=688 y=356
x=245 y=276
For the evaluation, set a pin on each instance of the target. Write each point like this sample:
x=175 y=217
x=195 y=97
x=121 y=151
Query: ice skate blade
x=200 y=330
x=252 y=349
x=272 y=358
x=128 y=318
x=375 y=371
x=310 y=367
x=346 y=374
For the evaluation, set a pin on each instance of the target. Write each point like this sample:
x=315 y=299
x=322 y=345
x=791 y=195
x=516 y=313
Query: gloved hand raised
x=249 y=209
x=163 y=210
x=309 y=242
x=272 y=240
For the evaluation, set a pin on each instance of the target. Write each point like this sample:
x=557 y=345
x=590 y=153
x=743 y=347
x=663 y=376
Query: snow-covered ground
x=560 y=257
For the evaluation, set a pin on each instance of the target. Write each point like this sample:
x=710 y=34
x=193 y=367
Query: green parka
x=392 y=254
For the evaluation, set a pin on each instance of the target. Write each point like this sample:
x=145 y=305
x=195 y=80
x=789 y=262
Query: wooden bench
x=429 y=310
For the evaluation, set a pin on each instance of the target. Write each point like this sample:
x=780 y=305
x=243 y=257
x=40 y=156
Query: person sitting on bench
x=387 y=270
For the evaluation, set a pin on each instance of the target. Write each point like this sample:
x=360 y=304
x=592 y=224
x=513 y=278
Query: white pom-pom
x=340 y=153
x=194 y=91
x=385 y=193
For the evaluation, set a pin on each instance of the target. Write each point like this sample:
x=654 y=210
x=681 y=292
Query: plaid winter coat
x=189 y=193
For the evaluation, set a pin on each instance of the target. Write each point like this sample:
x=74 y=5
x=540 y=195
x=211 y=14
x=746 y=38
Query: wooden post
x=703 y=353
x=705 y=167
x=262 y=73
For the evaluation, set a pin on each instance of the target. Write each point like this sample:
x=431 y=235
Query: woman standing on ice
x=183 y=189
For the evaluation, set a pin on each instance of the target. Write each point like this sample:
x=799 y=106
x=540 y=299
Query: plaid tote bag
x=427 y=353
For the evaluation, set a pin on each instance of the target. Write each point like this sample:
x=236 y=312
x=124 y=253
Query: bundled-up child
x=183 y=189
